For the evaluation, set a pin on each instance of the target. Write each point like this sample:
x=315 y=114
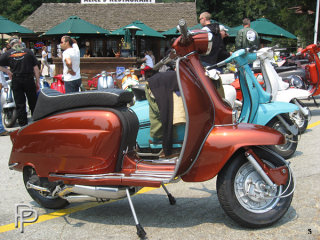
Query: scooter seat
x=51 y=101
x=139 y=92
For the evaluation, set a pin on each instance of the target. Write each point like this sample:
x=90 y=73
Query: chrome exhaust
x=93 y=191
x=85 y=193
x=83 y=198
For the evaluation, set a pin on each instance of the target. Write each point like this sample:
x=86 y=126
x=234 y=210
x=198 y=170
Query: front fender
x=223 y=142
x=268 y=111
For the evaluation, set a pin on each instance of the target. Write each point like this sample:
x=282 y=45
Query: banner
x=116 y=1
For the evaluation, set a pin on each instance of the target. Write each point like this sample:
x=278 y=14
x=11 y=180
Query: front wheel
x=287 y=149
x=9 y=117
x=41 y=197
x=246 y=197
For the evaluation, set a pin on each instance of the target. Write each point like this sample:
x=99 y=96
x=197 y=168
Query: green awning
x=265 y=27
x=145 y=31
x=75 y=25
x=171 y=32
x=8 y=27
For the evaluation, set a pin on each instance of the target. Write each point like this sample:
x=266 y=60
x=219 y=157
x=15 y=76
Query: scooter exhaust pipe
x=83 y=198
x=94 y=191
x=305 y=111
x=291 y=128
x=84 y=193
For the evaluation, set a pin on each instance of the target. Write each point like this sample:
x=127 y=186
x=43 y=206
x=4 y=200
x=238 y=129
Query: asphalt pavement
x=196 y=215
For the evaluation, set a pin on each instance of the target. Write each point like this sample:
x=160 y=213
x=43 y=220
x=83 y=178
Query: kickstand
x=314 y=100
x=140 y=231
x=172 y=200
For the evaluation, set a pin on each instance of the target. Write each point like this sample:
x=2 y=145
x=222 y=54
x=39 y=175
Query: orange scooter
x=83 y=146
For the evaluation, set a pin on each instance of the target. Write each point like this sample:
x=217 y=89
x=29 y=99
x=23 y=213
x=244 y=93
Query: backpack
x=214 y=28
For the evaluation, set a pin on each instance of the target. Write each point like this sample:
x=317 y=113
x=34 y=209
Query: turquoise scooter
x=257 y=106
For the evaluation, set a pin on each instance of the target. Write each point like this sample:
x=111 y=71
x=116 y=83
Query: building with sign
x=110 y=15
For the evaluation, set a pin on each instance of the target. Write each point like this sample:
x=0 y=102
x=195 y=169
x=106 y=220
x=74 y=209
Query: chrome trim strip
x=186 y=132
x=187 y=122
x=152 y=177
x=77 y=176
x=156 y=172
x=225 y=125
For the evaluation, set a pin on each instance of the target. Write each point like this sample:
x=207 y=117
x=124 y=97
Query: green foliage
x=231 y=13
x=228 y=12
x=18 y=10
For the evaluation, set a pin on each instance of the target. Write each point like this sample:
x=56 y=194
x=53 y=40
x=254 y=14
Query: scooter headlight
x=297 y=82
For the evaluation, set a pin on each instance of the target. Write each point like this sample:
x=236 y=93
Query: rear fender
x=223 y=142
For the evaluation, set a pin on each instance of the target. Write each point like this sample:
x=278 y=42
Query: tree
x=300 y=24
x=18 y=10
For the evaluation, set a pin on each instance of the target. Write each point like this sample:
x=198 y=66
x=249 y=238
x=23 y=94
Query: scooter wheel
x=246 y=197
x=42 y=198
x=9 y=117
x=287 y=149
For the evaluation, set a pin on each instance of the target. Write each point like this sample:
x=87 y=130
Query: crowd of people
x=21 y=65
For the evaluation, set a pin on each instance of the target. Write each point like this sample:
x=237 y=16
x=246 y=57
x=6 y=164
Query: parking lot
x=196 y=215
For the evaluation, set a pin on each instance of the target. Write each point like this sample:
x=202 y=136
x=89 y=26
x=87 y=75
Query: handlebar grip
x=183 y=28
x=212 y=67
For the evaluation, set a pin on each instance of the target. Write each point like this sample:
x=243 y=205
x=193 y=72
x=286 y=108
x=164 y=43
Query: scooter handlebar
x=183 y=28
x=216 y=65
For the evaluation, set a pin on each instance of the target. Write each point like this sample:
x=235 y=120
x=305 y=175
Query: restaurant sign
x=116 y=1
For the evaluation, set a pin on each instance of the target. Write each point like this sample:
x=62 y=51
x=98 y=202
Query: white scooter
x=105 y=80
x=281 y=91
x=9 y=110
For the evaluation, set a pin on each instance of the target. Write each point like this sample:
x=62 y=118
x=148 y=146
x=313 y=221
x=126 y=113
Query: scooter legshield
x=225 y=141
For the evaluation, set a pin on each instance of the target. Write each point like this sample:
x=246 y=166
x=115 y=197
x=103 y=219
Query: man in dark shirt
x=205 y=21
x=23 y=67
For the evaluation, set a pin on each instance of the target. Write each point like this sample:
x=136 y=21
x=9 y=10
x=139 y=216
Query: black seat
x=139 y=92
x=51 y=101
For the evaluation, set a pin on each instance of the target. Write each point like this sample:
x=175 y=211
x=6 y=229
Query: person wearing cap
x=23 y=68
x=223 y=53
x=247 y=37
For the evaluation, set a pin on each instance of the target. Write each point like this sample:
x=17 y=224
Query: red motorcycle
x=83 y=146
x=58 y=84
x=312 y=69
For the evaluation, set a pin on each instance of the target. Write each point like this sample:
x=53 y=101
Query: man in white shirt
x=71 y=64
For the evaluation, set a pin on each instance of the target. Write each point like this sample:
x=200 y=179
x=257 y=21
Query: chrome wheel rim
x=252 y=191
x=299 y=119
x=288 y=137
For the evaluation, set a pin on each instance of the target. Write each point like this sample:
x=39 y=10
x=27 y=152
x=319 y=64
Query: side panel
x=83 y=142
x=223 y=142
